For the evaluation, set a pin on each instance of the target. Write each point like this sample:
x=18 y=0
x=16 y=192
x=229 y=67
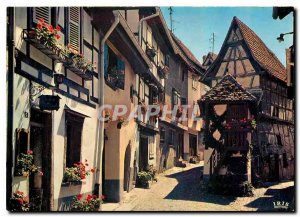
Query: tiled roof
x=210 y=56
x=186 y=51
x=228 y=89
x=261 y=53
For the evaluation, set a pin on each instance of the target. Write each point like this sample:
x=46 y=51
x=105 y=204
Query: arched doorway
x=127 y=160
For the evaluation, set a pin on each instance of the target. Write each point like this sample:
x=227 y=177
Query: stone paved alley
x=180 y=189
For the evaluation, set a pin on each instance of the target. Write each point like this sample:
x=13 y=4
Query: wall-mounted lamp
x=58 y=79
x=280 y=38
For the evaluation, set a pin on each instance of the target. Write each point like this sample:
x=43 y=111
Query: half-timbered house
x=54 y=112
x=249 y=118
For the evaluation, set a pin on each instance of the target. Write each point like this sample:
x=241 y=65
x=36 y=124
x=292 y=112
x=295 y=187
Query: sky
x=194 y=27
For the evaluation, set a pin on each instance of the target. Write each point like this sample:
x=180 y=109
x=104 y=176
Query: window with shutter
x=74 y=126
x=74 y=27
x=114 y=69
x=42 y=12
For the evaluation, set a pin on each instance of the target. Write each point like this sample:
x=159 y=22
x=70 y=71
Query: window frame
x=72 y=120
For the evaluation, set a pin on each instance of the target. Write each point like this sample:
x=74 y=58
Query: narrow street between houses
x=180 y=189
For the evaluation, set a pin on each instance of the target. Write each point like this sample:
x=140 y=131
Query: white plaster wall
x=21 y=106
x=207 y=155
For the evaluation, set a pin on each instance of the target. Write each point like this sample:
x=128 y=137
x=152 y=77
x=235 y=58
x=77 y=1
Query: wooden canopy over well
x=227 y=90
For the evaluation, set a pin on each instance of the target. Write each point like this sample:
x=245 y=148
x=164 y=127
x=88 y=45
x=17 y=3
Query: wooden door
x=127 y=160
x=143 y=155
x=40 y=144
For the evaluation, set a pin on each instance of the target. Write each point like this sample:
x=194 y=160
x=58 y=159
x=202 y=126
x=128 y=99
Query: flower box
x=42 y=44
x=179 y=112
x=74 y=175
x=82 y=72
x=72 y=183
x=163 y=71
x=151 y=53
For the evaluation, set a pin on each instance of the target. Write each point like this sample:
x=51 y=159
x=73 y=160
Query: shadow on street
x=266 y=203
x=189 y=188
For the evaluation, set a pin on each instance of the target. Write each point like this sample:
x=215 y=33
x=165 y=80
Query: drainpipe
x=10 y=90
x=141 y=24
x=101 y=97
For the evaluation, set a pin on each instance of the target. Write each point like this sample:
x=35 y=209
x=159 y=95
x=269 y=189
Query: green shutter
x=74 y=27
x=105 y=60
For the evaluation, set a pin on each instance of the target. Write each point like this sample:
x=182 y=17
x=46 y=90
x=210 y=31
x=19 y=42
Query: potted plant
x=25 y=165
x=150 y=51
x=107 y=116
x=153 y=173
x=77 y=173
x=121 y=120
x=143 y=179
x=88 y=204
x=163 y=71
x=19 y=202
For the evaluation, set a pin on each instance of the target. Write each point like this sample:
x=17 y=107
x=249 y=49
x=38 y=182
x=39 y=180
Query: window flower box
x=41 y=43
x=90 y=203
x=76 y=63
x=151 y=53
x=75 y=175
x=44 y=37
x=163 y=71
x=179 y=111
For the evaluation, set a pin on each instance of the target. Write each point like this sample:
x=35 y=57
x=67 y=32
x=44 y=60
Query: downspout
x=10 y=93
x=141 y=24
x=101 y=98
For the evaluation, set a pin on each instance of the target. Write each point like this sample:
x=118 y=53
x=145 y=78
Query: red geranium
x=58 y=28
x=57 y=36
x=79 y=196
x=20 y=201
x=42 y=20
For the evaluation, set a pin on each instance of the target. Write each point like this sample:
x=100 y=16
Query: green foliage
x=25 y=165
x=77 y=173
x=88 y=204
x=78 y=59
x=47 y=33
x=19 y=202
x=152 y=172
x=144 y=178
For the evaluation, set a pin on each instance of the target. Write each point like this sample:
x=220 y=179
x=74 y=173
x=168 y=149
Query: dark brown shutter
x=74 y=27
x=42 y=12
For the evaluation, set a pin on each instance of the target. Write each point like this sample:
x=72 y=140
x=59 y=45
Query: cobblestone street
x=180 y=189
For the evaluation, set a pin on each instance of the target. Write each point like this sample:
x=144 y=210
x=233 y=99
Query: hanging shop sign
x=49 y=102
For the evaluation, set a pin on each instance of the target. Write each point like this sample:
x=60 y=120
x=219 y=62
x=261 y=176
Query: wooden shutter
x=74 y=27
x=42 y=12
